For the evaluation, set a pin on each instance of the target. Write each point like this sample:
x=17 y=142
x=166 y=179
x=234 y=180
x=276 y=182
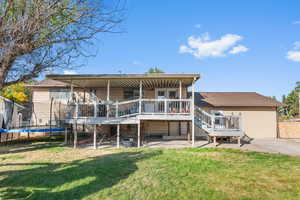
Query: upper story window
x=93 y=93
x=60 y=94
x=131 y=93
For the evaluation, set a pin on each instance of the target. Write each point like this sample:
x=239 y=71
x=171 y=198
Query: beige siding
x=156 y=128
x=41 y=106
x=41 y=99
x=257 y=122
x=161 y=128
x=115 y=94
x=149 y=93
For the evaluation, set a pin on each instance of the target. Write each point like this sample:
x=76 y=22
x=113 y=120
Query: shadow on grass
x=73 y=180
x=20 y=148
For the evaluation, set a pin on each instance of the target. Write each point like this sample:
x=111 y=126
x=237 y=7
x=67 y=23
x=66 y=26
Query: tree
x=283 y=98
x=154 y=70
x=37 y=36
x=292 y=102
x=17 y=92
x=297 y=88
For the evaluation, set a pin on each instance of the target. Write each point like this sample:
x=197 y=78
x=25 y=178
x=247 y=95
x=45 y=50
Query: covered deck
x=108 y=109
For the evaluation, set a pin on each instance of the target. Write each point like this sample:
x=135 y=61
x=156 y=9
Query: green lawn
x=51 y=171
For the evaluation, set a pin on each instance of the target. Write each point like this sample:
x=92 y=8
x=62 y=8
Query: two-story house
x=142 y=105
x=149 y=106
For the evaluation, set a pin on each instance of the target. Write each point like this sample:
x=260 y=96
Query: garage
x=259 y=113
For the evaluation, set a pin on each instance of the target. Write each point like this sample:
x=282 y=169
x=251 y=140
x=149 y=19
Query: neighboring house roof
x=234 y=99
x=48 y=83
x=10 y=101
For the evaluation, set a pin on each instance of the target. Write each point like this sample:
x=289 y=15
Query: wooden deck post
x=107 y=98
x=118 y=136
x=180 y=96
x=215 y=141
x=95 y=136
x=95 y=109
x=140 y=97
x=75 y=136
x=193 y=113
x=117 y=109
x=239 y=140
x=139 y=135
x=72 y=91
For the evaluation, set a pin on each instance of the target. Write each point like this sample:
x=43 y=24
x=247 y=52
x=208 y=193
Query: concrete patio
x=282 y=146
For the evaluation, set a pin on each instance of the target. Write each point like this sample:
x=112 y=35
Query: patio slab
x=281 y=146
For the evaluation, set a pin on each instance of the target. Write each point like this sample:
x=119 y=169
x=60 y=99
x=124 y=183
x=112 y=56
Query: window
x=161 y=94
x=60 y=94
x=131 y=93
x=93 y=93
x=173 y=94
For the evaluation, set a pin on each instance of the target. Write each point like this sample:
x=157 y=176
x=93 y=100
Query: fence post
x=66 y=136
x=50 y=116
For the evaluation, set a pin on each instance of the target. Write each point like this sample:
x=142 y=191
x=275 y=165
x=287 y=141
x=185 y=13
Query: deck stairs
x=221 y=125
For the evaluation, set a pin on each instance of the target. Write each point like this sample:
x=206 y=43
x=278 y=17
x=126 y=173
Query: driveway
x=282 y=146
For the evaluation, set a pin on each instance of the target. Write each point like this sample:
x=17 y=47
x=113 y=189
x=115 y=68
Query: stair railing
x=219 y=122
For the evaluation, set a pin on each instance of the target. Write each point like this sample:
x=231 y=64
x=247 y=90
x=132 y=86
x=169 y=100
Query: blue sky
x=235 y=45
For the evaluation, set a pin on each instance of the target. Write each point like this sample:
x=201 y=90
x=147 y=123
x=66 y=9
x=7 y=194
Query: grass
x=50 y=171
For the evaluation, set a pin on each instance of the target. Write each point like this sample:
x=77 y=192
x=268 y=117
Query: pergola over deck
x=133 y=81
x=127 y=80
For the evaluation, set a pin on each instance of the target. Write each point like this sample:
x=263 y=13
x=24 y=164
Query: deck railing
x=229 y=122
x=129 y=108
x=218 y=122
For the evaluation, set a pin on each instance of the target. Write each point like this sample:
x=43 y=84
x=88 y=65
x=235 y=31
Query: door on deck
x=166 y=93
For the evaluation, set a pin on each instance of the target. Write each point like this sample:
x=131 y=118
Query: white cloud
x=293 y=55
x=238 y=49
x=202 y=46
x=198 y=26
x=296 y=22
x=69 y=72
x=296 y=45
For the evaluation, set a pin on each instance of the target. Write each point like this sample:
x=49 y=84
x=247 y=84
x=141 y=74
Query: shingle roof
x=227 y=99
x=48 y=83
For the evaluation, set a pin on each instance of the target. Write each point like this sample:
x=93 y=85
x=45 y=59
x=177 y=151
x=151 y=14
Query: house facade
x=137 y=106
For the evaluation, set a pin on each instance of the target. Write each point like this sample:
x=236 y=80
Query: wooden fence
x=289 y=129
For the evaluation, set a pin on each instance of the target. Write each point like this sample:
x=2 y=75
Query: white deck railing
x=130 y=108
x=221 y=122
